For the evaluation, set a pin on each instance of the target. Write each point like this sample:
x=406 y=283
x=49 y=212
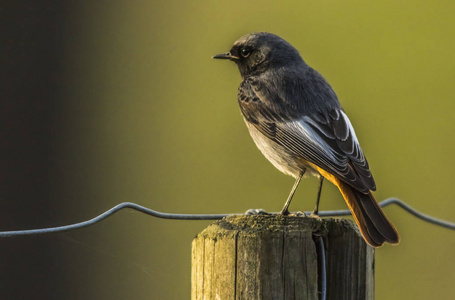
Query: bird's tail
x=376 y=229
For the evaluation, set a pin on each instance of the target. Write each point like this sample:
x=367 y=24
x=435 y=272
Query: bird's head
x=257 y=52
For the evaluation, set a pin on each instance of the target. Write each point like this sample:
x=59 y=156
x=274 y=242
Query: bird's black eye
x=245 y=52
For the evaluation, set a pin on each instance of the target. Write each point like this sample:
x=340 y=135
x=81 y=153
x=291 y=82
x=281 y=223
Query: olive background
x=109 y=101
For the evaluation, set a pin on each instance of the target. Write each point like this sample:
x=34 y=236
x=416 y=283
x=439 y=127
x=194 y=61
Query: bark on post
x=275 y=257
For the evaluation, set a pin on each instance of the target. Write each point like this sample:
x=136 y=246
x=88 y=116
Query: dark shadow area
x=31 y=81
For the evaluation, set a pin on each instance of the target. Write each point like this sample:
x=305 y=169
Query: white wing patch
x=329 y=143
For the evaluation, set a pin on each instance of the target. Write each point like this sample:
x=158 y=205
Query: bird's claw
x=315 y=216
x=255 y=212
x=301 y=214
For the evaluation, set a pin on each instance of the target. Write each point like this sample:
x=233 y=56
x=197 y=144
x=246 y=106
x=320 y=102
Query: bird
x=299 y=125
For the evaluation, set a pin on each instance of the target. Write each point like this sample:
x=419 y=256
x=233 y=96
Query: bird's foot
x=283 y=212
x=300 y=214
x=255 y=212
x=315 y=216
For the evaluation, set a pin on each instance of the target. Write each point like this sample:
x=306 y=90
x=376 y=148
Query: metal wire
x=154 y=213
x=403 y=205
x=321 y=251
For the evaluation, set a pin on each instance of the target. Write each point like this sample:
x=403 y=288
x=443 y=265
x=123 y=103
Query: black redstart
x=297 y=122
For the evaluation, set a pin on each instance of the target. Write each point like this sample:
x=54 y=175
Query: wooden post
x=275 y=257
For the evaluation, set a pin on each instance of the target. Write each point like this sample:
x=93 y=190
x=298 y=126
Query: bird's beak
x=227 y=55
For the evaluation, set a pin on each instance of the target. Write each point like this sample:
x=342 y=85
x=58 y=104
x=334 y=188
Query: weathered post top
x=275 y=257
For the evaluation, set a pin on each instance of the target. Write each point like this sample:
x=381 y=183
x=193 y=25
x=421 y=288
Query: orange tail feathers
x=374 y=226
x=376 y=229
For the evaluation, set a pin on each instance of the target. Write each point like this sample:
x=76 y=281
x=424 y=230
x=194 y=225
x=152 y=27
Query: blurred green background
x=109 y=101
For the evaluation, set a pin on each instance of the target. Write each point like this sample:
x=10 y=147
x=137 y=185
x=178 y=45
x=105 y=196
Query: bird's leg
x=316 y=208
x=285 y=210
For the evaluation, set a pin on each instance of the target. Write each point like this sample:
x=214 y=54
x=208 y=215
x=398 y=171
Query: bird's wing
x=326 y=140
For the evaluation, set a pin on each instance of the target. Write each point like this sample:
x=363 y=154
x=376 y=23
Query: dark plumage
x=297 y=122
